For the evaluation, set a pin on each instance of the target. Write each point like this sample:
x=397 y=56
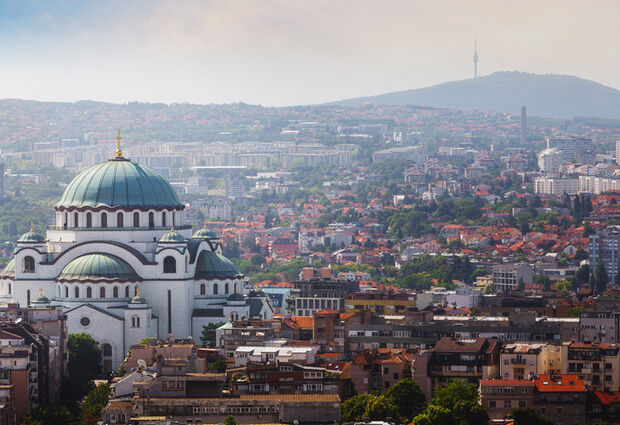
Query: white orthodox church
x=123 y=265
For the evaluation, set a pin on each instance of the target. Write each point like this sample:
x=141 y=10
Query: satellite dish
x=141 y=363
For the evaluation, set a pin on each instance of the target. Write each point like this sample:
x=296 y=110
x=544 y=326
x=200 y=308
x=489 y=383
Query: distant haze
x=281 y=52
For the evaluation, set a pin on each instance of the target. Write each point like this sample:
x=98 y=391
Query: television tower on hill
x=476 y=58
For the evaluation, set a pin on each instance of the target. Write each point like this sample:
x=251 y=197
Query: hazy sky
x=282 y=52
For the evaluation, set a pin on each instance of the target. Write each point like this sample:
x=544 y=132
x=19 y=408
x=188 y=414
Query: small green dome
x=119 y=182
x=31 y=237
x=205 y=233
x=9 y=269
x=41 y=300
x=172 y=237
x=98 y=267
x=211 y=265
x=235 y=297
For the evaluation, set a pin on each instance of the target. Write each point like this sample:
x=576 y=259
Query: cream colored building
x=599 y=364
x=522 y=360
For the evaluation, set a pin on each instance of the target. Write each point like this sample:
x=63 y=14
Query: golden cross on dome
x=31 y=227
x=119 y=152
x=204 y=226
x=172 y=226
x=41 y=292
x=137 y=291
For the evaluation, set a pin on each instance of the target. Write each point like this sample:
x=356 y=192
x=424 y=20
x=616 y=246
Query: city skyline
x=286 y=53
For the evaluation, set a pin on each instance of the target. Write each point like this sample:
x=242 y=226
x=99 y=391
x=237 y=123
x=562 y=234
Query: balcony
x=517 y=361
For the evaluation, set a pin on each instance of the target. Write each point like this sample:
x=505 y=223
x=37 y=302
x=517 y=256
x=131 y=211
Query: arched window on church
x=102 y=292
x=235 y=287
x=203 y=289
x=77 y=292
x=170 y=265
x=10 y=289
x=66 y=292
x=66 y=221
x=126 y=291
x=163 y=219
x=135 y=322
x=89 y=292
x=76 y=220
x=151 y=220
x=28 y=264
x=226 y=289
x=115 y=292
x=215 y=289
x=136 y=219
x=119 y=220
x=104 y=220
x=89 y=220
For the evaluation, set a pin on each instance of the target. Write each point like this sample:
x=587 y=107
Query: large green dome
x=211 y=265
x=119 y=182
x=98 y=267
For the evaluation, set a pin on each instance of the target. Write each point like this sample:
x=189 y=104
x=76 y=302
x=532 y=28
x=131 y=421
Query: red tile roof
x=560 y=383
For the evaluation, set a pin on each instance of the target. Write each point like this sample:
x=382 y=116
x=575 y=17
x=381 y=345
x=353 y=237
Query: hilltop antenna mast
x=476 y=57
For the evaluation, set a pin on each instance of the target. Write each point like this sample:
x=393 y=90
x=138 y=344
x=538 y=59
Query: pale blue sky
x=280 y=52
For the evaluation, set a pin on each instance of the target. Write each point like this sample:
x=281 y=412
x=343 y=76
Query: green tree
x=208 y=335
x=258 y=259
x=94 y=402
x=581 y=254
x=600 y=279
x=434 y=415
x=47 y=415
x=525 y=416
x=380 y=408
x=83 y=366
x=408 y=397
x=230 y=421
x=461 y=399
x=354 y=409
x=218 y=366
x=490 y=289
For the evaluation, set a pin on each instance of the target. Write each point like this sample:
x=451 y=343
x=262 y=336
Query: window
x=492 y=404
x=521 y=403
x=203 y=289
x=136 y=219
x=507 y=404
x=89 y=220
x=10 y=288
x=76 y=292
x=163 y=219
x=104 y=220
x=126 y=291
x=84 y=321
x=76 y=220
x=89 y=292
x=226 y=289
x=135 y=322
x=106 y=349
x=66 y=221
x=151 y=220
x=119 y=219
x=215 y=289
x=28 y=264
x=115 y=292
x=102 y=292
x=170 y=265
x=66 y=292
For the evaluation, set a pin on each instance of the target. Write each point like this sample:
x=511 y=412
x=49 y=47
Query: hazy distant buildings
x=550 y=160
x=556 y=186
x=604 y=247
x=411 y=153
x=618 y=152
x=597 y=184
x=573 y=149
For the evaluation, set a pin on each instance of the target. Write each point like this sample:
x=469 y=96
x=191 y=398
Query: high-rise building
x=574 y=149
x=523 y=126
x=604 y=248
x=617 y=151
x=549 y=160
x=476 y=58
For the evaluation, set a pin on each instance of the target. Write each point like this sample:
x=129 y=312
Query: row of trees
x=456 y=403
